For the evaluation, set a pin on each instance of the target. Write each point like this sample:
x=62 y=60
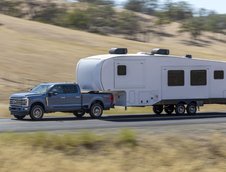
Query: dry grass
x=124 y=152
x=33 y=52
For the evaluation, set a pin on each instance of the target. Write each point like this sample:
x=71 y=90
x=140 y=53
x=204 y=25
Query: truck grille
x=18 y=102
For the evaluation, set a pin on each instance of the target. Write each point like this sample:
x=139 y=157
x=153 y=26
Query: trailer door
x=181 y=82
x=129 y=74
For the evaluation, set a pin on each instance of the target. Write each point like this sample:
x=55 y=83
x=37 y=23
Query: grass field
x=33 y=52
x=120 y=152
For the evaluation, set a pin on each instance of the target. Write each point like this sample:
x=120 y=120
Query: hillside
x=33 y=52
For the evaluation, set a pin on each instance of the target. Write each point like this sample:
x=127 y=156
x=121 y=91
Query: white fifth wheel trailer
x=155 y=79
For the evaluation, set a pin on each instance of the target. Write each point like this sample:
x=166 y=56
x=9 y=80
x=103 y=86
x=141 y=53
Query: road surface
x=200 y=123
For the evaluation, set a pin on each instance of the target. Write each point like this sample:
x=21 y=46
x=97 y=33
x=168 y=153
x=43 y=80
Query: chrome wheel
x=180 y=109
x=191 y=109
x=37 y=112
x=96 y=110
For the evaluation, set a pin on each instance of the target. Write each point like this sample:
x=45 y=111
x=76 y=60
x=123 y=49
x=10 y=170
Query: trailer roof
x=109 y=56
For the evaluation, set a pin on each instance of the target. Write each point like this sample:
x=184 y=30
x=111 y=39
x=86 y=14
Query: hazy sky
x=217 y=5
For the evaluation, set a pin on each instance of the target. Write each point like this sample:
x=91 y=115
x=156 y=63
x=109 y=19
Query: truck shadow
x=137 y=118
x=163 y=117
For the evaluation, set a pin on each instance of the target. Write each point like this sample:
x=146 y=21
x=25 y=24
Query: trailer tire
x=169 y=109
x=180 y=109
x=79 y=114
x=96 y=110
x=37 y=112
x=191 y=108
x=19 y=117
x=157 y=109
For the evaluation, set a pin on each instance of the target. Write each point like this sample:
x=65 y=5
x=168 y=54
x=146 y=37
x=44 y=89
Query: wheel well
x=182 y=102
x=194 y=102
x=38 y=103
x=98 y=101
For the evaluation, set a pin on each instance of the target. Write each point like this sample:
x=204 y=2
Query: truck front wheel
x=96 y=110
x=37 y=112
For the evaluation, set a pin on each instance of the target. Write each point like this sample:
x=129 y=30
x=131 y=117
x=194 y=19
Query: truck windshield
x=40 y=89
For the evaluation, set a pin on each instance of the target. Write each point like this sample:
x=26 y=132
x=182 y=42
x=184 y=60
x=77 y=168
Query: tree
x=143 y=6
x=78 y=19
x=194 y=26
x=134 y=5
x=177 y=11
x=98 y=2
x=127 y=23
x=49 y=13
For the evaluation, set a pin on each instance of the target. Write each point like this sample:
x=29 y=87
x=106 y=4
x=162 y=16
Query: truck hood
x=23 y=95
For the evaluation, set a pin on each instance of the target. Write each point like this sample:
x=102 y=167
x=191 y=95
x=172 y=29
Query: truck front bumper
x=21 y=111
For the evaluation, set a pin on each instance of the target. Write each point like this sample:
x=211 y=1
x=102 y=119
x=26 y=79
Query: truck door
x=72 y=97
x=64 y=98
x=180 y=82
x=56 y=98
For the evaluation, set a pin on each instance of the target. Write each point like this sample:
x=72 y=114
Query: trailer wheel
x=169 y=109
x=79 y=114
x=19 y=117
x=191 y=108
x=157 y=109
x=96 y=110
x=180 y=109
x=37 y=112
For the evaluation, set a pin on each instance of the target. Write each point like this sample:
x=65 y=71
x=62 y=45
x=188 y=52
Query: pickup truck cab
x=59 y=97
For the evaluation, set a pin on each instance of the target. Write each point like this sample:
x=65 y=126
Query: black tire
x=79 y=114
x=37 y=112
x=157 y=109
x=19 y=117
x=169 y=109
x=191 y=109
x=96 y=110
x=180 y=109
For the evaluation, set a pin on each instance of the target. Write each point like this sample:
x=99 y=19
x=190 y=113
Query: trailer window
x=198 y=77
x=121 y=69
x=218 y=74
x=175 y=78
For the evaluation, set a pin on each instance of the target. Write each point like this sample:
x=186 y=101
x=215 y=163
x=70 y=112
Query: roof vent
x=160 y=51
x=188 y=56
x=118 y=51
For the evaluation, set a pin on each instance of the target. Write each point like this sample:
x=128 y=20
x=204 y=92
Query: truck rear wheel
x=79 y=114
x=157 y=109
x=37 y=112
x=96 y=110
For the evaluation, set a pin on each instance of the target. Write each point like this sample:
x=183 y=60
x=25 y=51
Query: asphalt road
x=200 y=123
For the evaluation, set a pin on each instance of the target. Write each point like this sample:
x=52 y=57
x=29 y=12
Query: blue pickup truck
x=59 y=97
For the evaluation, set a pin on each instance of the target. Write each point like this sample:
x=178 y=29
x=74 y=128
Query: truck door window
x=70 y=89
x=218 y=74
x=198 y=77
x=57 y=89
x=175 y=78
x=121 y=70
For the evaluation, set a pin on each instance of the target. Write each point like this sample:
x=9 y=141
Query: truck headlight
x=25 y=102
